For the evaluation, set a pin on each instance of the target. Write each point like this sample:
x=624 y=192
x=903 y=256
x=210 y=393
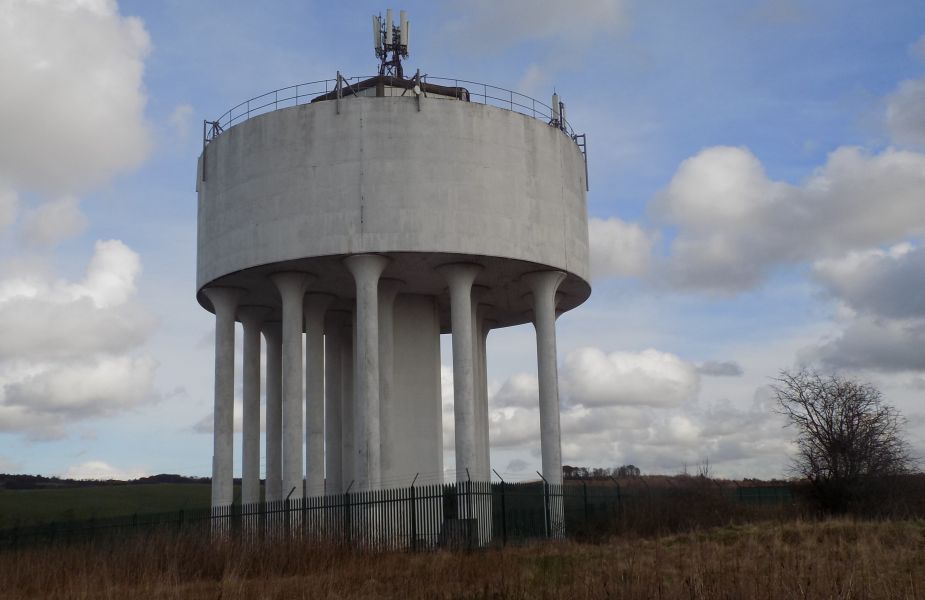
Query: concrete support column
x=480 y=404
x=543 y=285
x=459 y=278
x=224 y=302
x=252 y=319
x=347 y=361
x=333 y=344
x=388 y=291
x=315 y=307
x=481 y=391
x=291 y=288
x=273 y=334
x=366 y=269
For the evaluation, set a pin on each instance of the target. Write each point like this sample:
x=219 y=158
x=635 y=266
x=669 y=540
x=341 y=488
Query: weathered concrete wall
x=381 y=176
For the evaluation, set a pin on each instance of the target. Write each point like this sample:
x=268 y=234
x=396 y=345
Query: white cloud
x=881 y=282
x=905 y=112
x=619 y=248
x=73 y=114
x=592 y=377
x=99 y=470
x=520 y=389
x=735 y=225
x=890 y=345
x=85 y=389
x=881 y=310
x=44 y=320
x=66 y=348
x=53 y=222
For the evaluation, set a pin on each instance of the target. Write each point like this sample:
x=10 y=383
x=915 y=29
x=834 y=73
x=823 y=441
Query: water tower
x=352 y=221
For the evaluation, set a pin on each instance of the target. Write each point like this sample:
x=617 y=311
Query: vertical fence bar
x=546 y=508
x=584 y=487
x=347 y=517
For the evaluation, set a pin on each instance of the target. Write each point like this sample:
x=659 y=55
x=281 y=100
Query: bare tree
x=848 y=441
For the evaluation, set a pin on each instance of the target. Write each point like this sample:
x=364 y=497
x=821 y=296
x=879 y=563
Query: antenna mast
x=387 y=38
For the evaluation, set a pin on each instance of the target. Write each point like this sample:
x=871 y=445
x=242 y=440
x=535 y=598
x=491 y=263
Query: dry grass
x=833 y=559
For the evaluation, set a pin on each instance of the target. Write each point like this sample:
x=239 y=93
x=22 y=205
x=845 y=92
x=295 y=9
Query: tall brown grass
x=794 y=559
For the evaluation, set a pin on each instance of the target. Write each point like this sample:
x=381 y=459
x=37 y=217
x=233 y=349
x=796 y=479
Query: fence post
x=503 y=511
x=546 y=515
x=584 y=487
x=414 y=516
x=468 y=509
x=347 y=510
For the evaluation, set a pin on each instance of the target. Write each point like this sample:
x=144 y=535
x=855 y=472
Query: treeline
x=40 y=482
x=621 y=472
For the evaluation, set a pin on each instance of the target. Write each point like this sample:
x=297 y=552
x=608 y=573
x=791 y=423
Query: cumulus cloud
x=736 y=439
x=49 y=320
x=905 y=112
x=890 y=345
x=593 y=377
x=882 y=282
x=905 y=107
x=53 y=222
x=66 y=348
x=713 y=368
x=98 y=470
x=883 y=314
x=735 y=225
x=619 y=248
x=74 y=112
x=100 y=387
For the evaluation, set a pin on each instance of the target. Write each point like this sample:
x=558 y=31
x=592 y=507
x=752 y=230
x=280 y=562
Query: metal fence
x=463 y=515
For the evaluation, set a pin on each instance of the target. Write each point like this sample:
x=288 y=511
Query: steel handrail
x=304 y=93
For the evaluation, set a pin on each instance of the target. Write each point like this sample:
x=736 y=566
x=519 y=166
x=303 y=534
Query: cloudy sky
x=757 y=203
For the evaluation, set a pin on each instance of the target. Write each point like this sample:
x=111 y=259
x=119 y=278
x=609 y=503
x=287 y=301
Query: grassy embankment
x=792 y=559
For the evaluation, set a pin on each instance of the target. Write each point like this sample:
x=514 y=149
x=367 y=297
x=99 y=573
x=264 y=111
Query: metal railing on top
x=304 y=93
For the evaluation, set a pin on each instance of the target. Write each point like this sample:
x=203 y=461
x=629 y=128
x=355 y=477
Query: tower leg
x=460 y=278
x=366 y=269
x=224 y=301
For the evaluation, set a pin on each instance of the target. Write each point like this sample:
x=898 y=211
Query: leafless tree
x=848 y=440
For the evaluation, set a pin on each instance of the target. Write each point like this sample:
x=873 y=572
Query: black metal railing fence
x=461 y=515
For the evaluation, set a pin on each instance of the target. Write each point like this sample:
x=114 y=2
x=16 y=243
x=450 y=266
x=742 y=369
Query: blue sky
x=757 y=197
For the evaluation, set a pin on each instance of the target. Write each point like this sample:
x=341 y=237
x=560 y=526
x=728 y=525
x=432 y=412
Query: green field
x=65 y=504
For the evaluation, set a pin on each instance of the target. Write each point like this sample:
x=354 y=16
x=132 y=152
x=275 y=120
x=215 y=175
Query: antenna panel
x=388 y=27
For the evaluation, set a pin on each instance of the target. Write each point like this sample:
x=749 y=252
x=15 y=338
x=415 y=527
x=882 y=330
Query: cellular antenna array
x=387 y=38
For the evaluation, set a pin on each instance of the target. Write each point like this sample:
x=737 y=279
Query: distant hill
x=40 y=482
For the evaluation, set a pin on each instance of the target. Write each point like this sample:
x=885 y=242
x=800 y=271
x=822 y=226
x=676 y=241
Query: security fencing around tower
x=462 y=515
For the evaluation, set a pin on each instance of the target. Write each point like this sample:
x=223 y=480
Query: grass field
x=44 y=505
x=793 y=559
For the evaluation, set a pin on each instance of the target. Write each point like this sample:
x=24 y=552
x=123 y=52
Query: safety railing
x=304 y=93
